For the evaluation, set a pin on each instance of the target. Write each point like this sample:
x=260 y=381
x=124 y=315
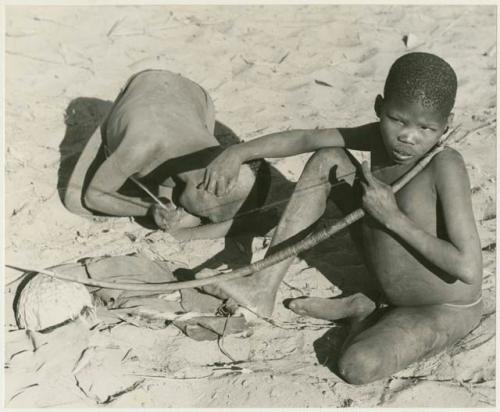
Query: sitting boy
x=160 y=133
x=421 y=244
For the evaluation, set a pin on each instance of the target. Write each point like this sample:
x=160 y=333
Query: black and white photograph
x=249 y=205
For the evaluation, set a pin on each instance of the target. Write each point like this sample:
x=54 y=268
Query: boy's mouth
x=401 y=155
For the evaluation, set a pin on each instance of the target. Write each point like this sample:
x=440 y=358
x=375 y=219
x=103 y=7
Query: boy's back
x=158 y=109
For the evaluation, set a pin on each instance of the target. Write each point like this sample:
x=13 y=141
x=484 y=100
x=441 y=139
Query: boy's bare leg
x=347 y=197
x=307 y=204
x=353 y=306
x=403 y=336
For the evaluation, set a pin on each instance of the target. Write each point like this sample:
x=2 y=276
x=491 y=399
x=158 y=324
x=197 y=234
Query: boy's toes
x=295 y=305
x=319 y=308
x=205 y=273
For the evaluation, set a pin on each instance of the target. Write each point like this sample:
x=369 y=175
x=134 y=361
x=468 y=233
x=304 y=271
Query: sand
x=268 y=68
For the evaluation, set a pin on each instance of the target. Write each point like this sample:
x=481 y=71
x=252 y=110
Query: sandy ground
x=268 y=68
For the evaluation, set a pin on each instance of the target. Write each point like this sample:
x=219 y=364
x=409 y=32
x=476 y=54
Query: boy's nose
x=408 y=136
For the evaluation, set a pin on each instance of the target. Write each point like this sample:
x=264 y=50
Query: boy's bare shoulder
x=447 y=158
x=448 y=167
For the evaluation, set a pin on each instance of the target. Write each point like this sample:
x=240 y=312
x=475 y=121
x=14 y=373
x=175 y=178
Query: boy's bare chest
x=417 y=199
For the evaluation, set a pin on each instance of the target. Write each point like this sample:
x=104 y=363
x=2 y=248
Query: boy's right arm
x=222 y=173
x=102 y=193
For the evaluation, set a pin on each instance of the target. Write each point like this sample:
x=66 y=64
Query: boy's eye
x=427 y=128
x=395 y=119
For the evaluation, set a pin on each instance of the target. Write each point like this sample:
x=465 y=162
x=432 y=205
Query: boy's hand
x=165 y=217
x=378 y=198
x=221 y=175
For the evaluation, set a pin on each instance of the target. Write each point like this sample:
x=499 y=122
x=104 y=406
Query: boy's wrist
x=397 y=223
x=237 y=151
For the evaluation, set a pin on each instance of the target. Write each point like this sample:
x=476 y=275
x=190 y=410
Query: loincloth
x=463 y=305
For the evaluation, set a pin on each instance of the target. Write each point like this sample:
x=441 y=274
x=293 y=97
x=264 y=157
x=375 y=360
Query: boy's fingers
x=367 y=173
x=206 y=179
x=231 y=185
x=366 y=169
x=205 y=273
x=364 y=185
x=212 y=182
x=211 y=186
x=220 y=186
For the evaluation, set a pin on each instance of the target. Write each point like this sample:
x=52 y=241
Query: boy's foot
x=354 y=306
x=248 y=292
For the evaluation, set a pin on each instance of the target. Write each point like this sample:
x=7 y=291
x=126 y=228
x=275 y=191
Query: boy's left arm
x=459 y=255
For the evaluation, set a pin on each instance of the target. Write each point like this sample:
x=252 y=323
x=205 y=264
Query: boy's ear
x=379 y=101
x=449 y=121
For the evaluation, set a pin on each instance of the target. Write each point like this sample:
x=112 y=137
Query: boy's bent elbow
x=470 y=273
x=72 y=200
x=468 y=277
x=92 y=199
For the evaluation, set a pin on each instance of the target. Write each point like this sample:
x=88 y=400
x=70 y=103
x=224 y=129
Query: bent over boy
x=159 y=135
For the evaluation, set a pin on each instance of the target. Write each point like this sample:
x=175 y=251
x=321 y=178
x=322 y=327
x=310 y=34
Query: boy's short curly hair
x=424 y=78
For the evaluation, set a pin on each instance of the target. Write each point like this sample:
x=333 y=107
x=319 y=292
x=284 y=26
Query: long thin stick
x=143 y=187
x=286 y=253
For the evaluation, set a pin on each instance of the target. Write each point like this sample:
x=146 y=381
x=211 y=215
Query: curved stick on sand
x=286 y=253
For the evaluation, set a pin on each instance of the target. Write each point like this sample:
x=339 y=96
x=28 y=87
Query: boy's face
x=408 y=129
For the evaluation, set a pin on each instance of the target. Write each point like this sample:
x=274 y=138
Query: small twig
x=128 y=321
x=83 y=360
x=36 y=18
x=283 y=58
x=385 y=392
x=20 y=34
x=490 y=49
x=126 y=354
x=23 y=389
x=114 y=26
x=170 y=377
x=130 y=388
x=220 y=340
x=17 y=353
x=284 y=325
x=27 y=56
x=483 y=126
x=450 y=25
x=480 y=127
x=291 y=287
x=322 y=83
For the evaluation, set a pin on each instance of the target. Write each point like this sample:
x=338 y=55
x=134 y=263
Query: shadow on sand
x=82 y=118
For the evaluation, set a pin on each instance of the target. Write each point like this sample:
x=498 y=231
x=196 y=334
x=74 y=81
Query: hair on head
x=424 y=78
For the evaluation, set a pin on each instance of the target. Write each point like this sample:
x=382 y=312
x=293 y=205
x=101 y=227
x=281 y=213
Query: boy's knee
x=328 y=155
x=325 y=159
x=359 y=366
x=72 y=200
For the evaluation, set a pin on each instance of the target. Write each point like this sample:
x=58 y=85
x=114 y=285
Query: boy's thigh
x=342 y=171
x=403 y=336
x=344 y=176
